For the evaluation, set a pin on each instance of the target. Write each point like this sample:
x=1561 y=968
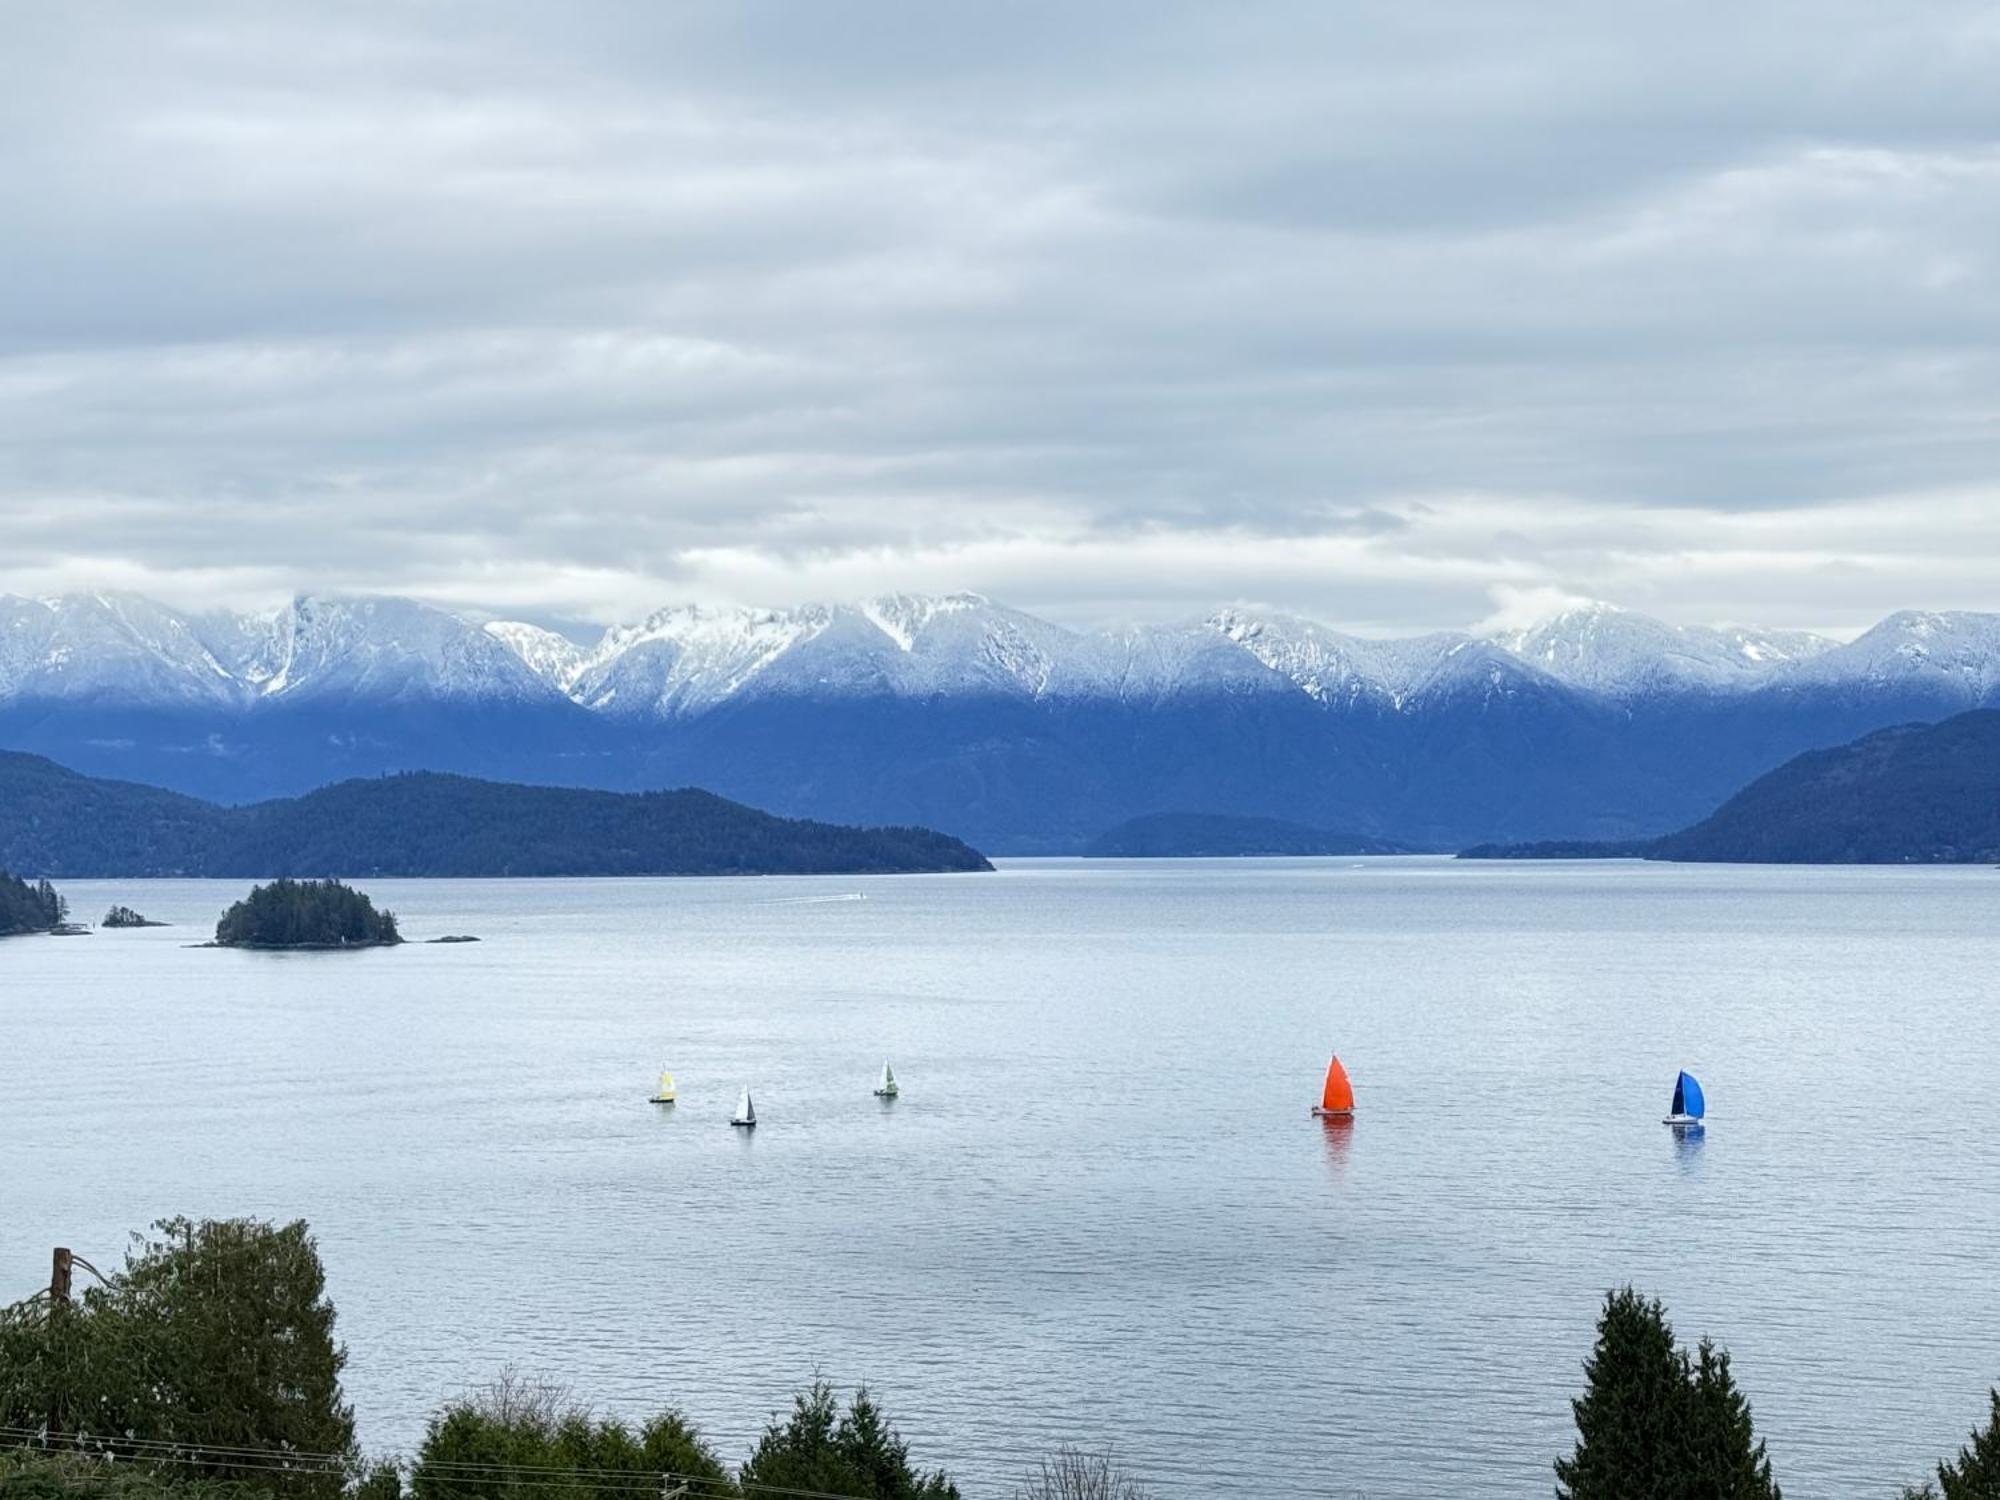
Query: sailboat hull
x=660 y=1099
x=887 y=1093
x=1322 y=1113
x=1682 y=1121
x=744 y=1124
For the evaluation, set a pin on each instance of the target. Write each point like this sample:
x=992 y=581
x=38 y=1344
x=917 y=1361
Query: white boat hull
x=1332 y=1114
x=1682 y=1121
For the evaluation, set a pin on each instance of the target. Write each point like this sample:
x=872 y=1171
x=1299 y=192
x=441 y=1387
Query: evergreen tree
x=1628 y=1421
x=29 y=908
x=857 y=1453
x=1653 y=1424
x=1976 y=1474
x=1727 y=1458
x=305 y=914
x=216 y=1335
x=530 y=1440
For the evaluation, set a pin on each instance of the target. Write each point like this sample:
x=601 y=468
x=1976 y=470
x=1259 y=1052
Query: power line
x=460 y=1473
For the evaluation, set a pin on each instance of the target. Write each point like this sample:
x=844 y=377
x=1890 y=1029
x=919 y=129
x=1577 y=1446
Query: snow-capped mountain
x=1400 y=675
x=1603 y=649
x=86 y=646
x=1955 y=656
x=556 y=659
x=959 y=712
x=126 y=649
x=378 y=649
x=687 y=660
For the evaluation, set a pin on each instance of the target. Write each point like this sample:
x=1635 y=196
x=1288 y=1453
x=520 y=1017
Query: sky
x=1401 y=316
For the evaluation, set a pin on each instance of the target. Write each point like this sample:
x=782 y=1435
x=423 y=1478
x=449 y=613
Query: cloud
x=1380 y=312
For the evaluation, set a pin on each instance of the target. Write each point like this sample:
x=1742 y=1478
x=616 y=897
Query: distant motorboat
x=746 y=1112
x=664 y=1094
x=1688 y=1108
x=887 y=1089
x=1337 y=1098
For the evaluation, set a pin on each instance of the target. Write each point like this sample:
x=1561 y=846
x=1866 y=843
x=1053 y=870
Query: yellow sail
x=665 y=1093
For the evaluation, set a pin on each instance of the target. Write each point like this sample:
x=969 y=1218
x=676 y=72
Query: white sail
x=886 y=1089
x=746 y=1112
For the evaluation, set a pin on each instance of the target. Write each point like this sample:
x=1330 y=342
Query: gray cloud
x=1396 y=314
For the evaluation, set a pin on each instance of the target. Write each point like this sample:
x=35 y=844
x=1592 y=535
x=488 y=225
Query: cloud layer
x=1399 y=315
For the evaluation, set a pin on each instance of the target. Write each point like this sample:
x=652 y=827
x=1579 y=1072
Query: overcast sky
x=1398 y=315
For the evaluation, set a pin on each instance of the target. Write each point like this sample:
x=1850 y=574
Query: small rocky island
x=306 y=914
x=124 y=916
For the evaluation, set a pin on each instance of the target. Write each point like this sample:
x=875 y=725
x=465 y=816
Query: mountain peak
x=1617 y=652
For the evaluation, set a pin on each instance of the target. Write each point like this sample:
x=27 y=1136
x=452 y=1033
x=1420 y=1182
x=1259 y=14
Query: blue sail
x=1687 y=1097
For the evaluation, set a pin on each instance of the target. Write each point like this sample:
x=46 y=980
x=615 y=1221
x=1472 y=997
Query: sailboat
x=887 y=1089
x=664 y=1094
x=746 y=1112
x=1688 y=1108
x=1338 y=1096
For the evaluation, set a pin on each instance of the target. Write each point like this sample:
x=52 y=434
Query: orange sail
x=1339 y=1096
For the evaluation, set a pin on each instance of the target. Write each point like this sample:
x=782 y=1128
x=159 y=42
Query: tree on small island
x=124 y=916
x=30 y=908
x=306 y=914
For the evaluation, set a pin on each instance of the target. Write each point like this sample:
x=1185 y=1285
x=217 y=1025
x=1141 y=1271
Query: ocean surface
x=1100 y=1213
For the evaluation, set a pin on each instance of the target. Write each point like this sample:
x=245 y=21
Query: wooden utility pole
x=59 y=1276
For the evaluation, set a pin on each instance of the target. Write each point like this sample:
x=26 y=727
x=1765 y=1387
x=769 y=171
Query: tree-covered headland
x=26 y=907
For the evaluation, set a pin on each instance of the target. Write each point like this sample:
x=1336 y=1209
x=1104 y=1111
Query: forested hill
x=1917 y=794
x=55 y=822
x=1922 y=793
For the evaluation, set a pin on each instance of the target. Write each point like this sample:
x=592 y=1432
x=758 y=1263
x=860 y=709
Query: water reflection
x=1688 y=1142
x=1339 y=1132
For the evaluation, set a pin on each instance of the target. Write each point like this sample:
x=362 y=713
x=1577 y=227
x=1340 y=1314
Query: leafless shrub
x=1071 y=1474
x=534 y=1402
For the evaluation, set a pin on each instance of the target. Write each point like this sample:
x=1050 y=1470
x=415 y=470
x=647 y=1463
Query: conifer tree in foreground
x=1976 y=1474
x=1728 y=1457
x=1652 y=1424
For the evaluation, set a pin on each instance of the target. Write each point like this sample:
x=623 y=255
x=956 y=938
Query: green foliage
x=422 y=823
x=77 y=1476
x=305 y=914
x=124 y=916
x=527 y=1440
x=1653 y=1424
x=29 y=908
x=215 y=1334
x=1975 y=1475
x=852 y=1453
x=1728 y=1457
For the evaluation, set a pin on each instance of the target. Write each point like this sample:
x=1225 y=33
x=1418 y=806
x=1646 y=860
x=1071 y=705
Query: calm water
x=1100 y=1212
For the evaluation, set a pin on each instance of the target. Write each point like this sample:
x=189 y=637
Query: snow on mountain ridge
x=1955 y=653
x=1604 y=649
x=687 y=659
x=552 y=657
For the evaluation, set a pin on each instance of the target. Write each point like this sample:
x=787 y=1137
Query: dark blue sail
x=1687 y=1097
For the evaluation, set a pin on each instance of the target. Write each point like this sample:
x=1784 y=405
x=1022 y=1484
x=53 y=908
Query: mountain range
x=959 y=713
